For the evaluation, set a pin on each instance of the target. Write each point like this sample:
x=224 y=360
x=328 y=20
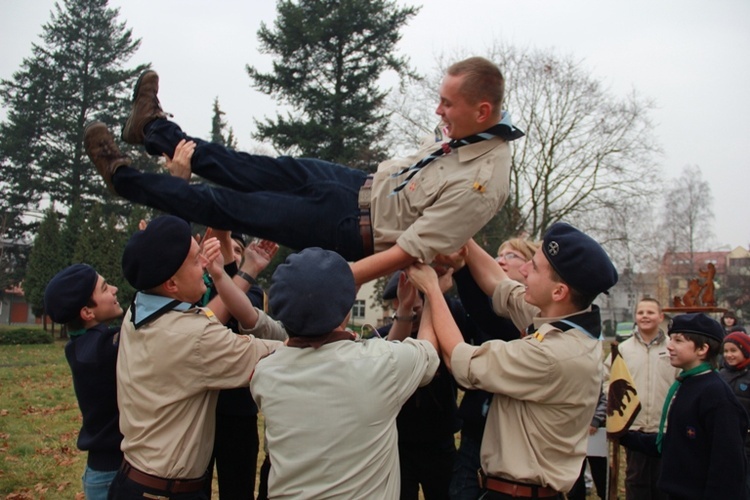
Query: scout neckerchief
x=701 y=368
x=505 y=130
x=153 y=306
x=318 y=341
x=588 y=322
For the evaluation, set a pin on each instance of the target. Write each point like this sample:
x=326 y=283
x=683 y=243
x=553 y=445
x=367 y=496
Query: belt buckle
x=480 y=478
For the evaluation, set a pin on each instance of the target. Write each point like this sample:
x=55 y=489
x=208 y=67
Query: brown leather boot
x=146 y=107
x=104 y=153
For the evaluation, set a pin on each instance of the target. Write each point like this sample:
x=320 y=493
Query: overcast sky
x=692 y=57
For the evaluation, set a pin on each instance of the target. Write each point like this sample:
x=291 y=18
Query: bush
x=22 y=335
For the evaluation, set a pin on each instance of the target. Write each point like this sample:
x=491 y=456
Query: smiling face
x=510 y=261
x=683 y=353
x=537 y=274
x=732 y=354
x=107 y=307
x=188 y=280
x=460 y=118
x=648 y=316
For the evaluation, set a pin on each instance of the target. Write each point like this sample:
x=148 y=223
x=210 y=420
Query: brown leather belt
x=365 y=221
x=516 y=490
x=158 y=483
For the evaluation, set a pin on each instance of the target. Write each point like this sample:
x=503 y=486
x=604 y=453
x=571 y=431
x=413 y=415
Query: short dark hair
x=483 y=81
x=714 y=347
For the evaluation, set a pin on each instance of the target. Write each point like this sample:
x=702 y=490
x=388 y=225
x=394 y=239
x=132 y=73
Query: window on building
x=358 y=309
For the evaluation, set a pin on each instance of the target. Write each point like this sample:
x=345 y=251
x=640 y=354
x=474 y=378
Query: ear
x=702 y=352
x=560 y=292
x=170 y=286
x=484 y=112
x=87 y=314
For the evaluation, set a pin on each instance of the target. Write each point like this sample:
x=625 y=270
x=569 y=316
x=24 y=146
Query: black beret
x=69 y=291
x=390 y=291
x=154 y=255
x=312 y=292
x=698 y=323
x=239 y=237
x=579 y=260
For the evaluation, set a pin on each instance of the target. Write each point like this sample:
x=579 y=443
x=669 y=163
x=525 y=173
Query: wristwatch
x=412 y=318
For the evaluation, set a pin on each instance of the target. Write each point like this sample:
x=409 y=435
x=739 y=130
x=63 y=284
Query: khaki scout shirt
x=445 y=204
x=331 y=415
x=169 y=372
x=546 y=387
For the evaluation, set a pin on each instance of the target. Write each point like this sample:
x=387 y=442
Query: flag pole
x=614 y=469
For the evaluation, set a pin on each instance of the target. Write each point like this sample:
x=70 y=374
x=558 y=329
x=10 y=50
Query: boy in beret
x=546 y=385
x=411 y=209
x=702 y=443
x=329 y=399
x=173 y=360
x=81 y=299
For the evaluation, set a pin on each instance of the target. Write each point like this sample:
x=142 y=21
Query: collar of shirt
x=146 y=305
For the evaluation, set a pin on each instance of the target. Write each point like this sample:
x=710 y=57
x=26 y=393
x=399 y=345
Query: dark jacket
x=92 y=357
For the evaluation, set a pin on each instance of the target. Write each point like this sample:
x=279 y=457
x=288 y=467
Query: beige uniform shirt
x=652 y=375
x=445 y=204
x=546 y=387
x=331 y=415
x=169 y=372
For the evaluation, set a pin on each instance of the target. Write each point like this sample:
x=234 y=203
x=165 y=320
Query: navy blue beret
x=697 y=323
x=579 y=260
x=312 y=292
x=154 y=255
x=390 y=292
x=69 y=291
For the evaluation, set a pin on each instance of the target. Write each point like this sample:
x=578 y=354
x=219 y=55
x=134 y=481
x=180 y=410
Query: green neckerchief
x=701 y=368
x=77 y=333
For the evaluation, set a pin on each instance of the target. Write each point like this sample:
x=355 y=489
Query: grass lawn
x=39 y=424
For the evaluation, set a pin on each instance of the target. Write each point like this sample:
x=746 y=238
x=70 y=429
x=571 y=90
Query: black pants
x=235 y=456
x=494 y=495
x=598 y=467
x=641 y=475
x=429 y=465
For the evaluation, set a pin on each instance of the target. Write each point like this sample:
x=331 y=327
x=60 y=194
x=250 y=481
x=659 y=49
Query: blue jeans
x=298 y=203
x=96 y=483
x=465 y=482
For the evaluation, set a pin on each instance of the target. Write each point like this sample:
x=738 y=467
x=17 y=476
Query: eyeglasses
x=508 y=256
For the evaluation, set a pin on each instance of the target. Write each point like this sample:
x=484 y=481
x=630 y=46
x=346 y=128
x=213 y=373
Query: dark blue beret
x=69 y=291
x=312 y=292
x=390 y=292
x=154 y=255
x=698 y=323
x=579 y=260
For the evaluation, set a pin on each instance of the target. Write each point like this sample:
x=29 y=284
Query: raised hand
x=179 y=164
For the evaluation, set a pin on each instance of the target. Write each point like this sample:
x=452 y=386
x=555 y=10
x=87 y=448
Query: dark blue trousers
x=296 y=202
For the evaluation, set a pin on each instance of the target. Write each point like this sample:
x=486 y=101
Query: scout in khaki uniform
x=173 y=359
x=330 y=400
x=545 y=385
x=412 y=209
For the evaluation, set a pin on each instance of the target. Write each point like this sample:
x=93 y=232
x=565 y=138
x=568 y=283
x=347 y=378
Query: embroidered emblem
x=743 y=387
x=412 y=186
x=553 y=248
x=479 y=188
x=690 y=433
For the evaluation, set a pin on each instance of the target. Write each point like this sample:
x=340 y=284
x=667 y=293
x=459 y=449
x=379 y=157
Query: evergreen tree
x=329 y=57
x=75 y=75
x=71 y=230
x=218 y=125
x=45 y=260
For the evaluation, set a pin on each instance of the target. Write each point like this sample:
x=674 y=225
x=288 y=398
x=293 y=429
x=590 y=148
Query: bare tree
x=687 y=217
x=587 y=153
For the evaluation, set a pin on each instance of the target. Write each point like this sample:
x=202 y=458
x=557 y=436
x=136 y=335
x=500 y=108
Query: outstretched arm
x=484 y=269
x=234 y=298
x=381 y=264
x=440 y=318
